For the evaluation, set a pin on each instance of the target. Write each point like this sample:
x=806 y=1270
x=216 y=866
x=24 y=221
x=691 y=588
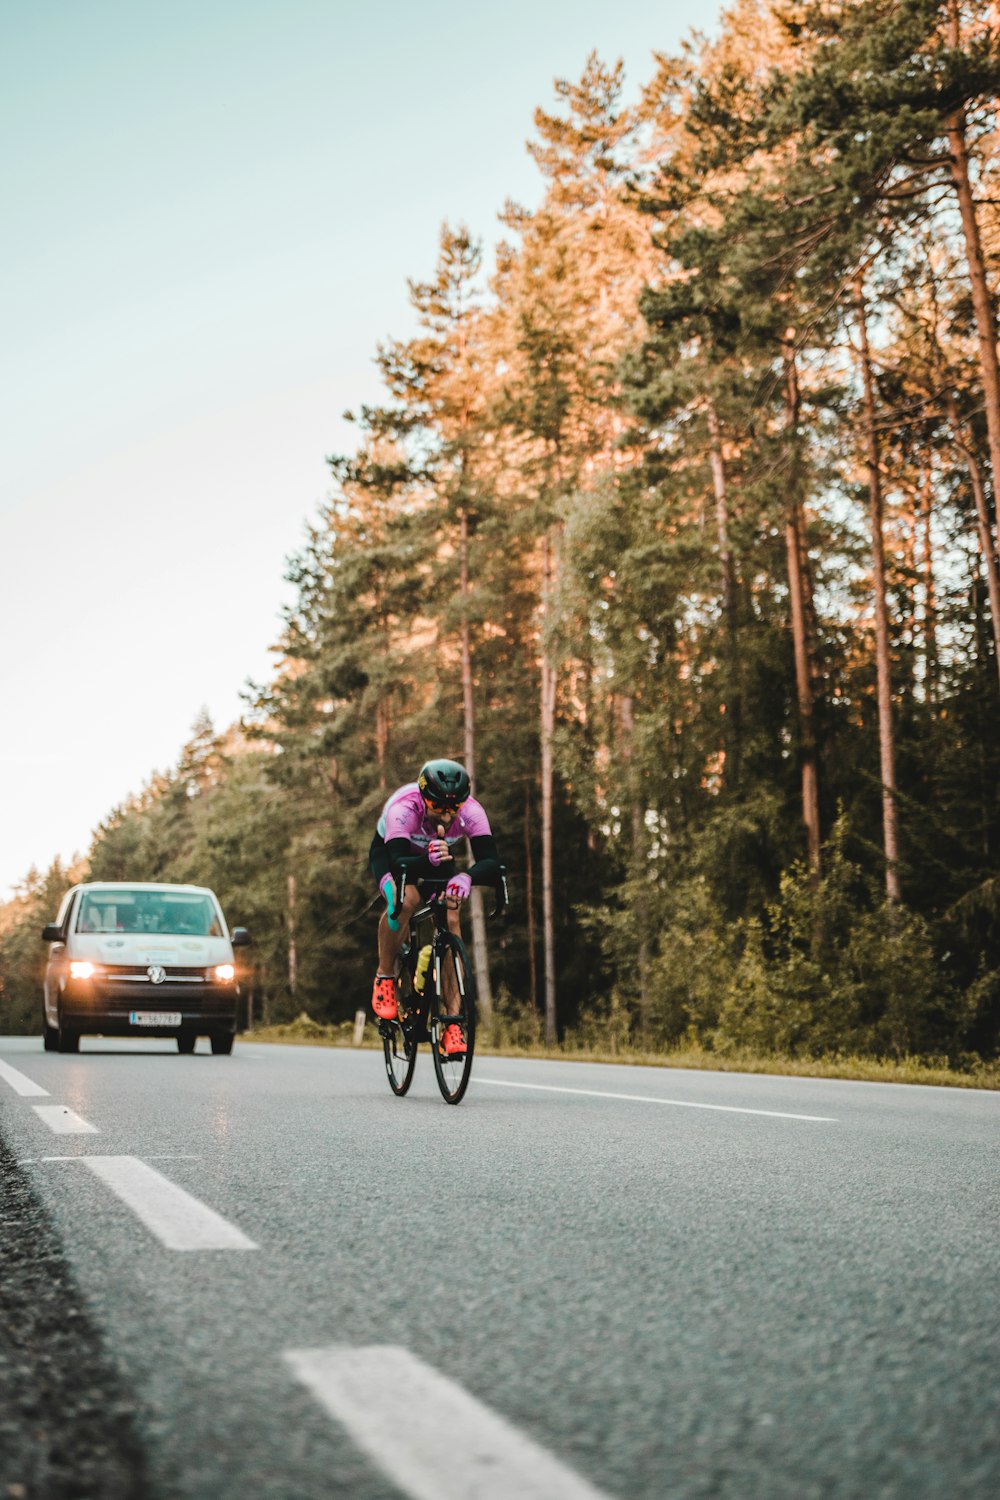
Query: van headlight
x=82 y=968
x=225 y=973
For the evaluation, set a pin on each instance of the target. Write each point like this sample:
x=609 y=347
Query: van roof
x=142 y=885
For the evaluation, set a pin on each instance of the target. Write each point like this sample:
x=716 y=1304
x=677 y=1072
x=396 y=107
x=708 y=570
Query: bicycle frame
x=437 y=912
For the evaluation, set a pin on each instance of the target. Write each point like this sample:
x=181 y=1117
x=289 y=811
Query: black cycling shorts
x=378 y=858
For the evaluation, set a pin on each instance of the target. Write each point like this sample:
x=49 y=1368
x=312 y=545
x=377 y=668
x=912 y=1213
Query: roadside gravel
x=66 y=1430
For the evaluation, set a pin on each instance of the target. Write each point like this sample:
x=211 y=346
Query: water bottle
x=423 y=964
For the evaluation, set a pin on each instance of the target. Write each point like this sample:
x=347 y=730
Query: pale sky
x=210 y=212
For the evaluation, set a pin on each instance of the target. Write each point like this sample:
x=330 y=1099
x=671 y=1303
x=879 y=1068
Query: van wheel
x=50 y=1035
x=186 y=1041
x=68 y=1041
x=222 y=1044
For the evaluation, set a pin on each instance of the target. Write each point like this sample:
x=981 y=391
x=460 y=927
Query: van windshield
x=176 y=912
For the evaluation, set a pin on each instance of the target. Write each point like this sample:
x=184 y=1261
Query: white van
x=141 y=960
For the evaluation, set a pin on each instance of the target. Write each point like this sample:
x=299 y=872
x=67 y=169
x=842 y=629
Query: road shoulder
x=66 y=1422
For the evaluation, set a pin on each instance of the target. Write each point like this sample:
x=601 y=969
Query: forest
x=677 y=523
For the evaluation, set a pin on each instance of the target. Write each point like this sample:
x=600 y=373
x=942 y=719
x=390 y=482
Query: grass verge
x=304 y=1031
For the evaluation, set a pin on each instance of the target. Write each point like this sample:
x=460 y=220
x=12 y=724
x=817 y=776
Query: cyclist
x=419 y=827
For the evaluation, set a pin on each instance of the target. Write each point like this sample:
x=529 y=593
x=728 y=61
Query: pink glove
x=437 y=850
x=458 y=887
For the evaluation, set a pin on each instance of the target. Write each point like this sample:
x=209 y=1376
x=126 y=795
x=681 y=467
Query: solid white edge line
x=63 y=1121
x=728 y=1109
x=177 y=1219
x=432 y=1438
x=21 y=1084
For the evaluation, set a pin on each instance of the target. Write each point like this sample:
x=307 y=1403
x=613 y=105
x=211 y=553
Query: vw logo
x=157 y=973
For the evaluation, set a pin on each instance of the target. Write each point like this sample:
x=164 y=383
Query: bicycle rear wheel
x=399 y=1043
x=453 y=1069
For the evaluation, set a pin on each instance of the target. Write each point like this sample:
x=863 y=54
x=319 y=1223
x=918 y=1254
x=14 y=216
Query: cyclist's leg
x=456 y=1039
x=448 y=982
x=389 y=942
x=379 y=862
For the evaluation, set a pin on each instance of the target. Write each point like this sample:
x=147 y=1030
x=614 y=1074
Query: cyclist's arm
x=485 y=867
x=402 y=855
x=399 y=855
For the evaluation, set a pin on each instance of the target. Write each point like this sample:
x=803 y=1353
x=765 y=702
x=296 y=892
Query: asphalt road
x=584 y=1280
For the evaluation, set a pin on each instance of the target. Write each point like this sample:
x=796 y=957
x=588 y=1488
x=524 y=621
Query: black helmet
x=444 y=782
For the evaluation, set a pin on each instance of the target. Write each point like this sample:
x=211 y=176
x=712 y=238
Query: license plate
x=154 y=1018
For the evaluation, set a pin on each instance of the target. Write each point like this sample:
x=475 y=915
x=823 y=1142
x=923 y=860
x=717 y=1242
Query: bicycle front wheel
x=399 y=1042
x=453 y=1020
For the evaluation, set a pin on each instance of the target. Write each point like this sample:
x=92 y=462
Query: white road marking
x=729 y=1109
x=19 y=1083
x=63 y=1121
x=26 y=1161
x=178 y=1219
x=433 y=1440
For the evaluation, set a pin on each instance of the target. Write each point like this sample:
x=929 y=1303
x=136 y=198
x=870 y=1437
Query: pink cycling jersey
x=405 y=816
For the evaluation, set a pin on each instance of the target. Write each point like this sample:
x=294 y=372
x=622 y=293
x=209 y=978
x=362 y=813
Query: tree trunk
x=799 y=610
x=381 y=740
x=887 y=749
x=626 y=719
x=548 y=719
x=986 y=786
x=529 y=898
x=909 y=537
x=931 y=658
x=990 y=561
x=480 y=950
x=982 y=299
x=734 y=702
x=292 y=949
x=988 y=554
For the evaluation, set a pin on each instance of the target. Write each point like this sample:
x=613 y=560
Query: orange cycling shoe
x=384 y=997
x=453 y=1042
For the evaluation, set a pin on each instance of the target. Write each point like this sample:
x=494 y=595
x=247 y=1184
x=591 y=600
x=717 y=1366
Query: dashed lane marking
x=435 y=1442
x=22 y=1085
x=63 y=1121
x=30 y=1161
x=177 y=1155
x=728 y=1109
x=179 y=1220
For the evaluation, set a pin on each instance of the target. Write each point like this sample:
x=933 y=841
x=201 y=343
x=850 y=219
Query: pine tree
x=439 y=378
x=568 y=309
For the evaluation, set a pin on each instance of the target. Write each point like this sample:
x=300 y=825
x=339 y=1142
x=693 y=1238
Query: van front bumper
x=106 y=1006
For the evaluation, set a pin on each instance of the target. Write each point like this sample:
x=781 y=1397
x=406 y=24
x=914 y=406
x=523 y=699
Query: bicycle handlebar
x=440 y=882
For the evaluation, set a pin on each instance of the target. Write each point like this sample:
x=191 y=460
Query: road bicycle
x=435 y=989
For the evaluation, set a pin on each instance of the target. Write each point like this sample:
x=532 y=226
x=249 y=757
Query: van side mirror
x=52 y=933
x=240 y=938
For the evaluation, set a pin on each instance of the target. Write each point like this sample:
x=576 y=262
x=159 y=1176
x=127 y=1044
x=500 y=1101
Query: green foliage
x=22 y=953
x=831 y=968
x=827 y=968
